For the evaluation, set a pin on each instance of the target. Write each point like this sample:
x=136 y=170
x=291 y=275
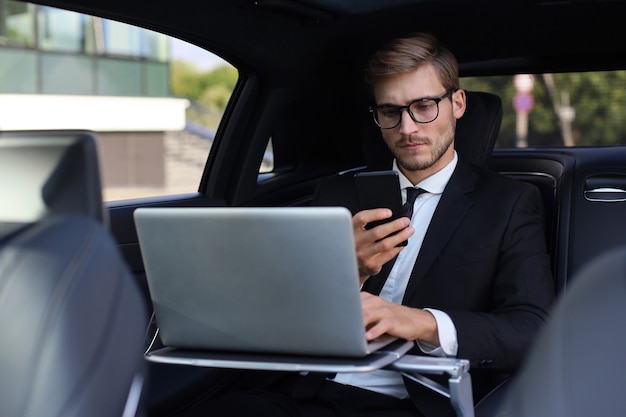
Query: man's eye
x=388 y=113
x=422 y=106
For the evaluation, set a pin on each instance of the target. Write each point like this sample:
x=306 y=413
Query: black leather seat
x=72 y=319
x=577 y=367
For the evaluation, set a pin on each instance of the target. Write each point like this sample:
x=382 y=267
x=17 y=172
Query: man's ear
x=459 y=101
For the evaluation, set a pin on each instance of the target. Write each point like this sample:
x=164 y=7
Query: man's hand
x=379 y=245
x=382 y=316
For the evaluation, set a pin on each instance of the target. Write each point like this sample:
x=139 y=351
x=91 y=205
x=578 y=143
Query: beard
x=437 y=150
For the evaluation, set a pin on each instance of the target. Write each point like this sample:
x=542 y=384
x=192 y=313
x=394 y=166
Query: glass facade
x=44 y=50
x=18 y=71
x=17 y=24
x=62 y=31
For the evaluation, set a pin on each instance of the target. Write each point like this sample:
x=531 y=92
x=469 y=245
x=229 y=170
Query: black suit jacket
x=484 y=262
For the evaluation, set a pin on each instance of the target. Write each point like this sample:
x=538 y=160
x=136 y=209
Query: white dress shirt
x=390 y=382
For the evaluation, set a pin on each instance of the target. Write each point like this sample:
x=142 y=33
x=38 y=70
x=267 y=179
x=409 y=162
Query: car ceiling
x=285 y=38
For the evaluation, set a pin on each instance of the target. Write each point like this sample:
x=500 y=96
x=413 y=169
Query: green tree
x=224 y=75
x=209 y=91
x=185 y=80
x=597 y=99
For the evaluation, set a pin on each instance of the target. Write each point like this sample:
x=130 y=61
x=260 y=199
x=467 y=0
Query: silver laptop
x=261 y=280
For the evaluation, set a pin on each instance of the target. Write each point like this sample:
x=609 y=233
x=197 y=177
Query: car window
x=268 y=159
x=153 y=101
x=566 y=109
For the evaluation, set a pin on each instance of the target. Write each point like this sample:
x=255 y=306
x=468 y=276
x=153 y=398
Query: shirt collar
x=436 y=183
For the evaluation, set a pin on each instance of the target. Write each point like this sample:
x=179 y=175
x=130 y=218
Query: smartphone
x=379 y=189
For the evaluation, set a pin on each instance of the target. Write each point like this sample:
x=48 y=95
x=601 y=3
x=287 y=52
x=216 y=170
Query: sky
x=202 y=59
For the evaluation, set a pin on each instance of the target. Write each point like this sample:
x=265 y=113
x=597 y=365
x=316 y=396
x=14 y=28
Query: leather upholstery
x=72 y=319
x=576 y=368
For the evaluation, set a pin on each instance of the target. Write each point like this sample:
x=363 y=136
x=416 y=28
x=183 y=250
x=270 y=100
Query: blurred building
x=65 y=70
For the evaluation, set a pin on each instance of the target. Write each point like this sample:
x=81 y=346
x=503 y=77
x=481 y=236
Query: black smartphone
x=379 y=189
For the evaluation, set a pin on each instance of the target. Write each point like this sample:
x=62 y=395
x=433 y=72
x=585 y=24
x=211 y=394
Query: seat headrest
x=44 y=173
x=476 y=133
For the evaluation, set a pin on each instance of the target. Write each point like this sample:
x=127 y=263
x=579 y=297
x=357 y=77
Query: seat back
x=72 y=318
x=476 y=133
x=47 y=173
x=576 y=368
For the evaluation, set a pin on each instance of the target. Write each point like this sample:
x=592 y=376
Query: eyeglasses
x=422 y=110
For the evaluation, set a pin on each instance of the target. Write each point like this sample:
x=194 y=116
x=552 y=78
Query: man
x=474 y=280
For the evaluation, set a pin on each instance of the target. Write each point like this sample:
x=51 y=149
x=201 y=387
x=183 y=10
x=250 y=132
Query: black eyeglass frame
x=437 y=100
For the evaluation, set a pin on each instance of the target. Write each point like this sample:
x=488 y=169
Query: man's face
x=420 y=149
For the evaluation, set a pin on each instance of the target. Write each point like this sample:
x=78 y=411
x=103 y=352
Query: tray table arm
x=460 y=382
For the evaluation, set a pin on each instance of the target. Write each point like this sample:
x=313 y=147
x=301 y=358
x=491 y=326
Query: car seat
x=577 y=367
x=71 y=316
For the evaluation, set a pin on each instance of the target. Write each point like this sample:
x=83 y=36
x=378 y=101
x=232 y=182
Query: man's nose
x=407 y=124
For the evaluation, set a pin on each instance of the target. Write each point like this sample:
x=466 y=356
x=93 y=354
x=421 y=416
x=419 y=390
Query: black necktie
x=411 y=195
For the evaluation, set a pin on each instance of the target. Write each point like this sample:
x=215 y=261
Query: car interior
x=558 y=378
x=67 y=299
x=301 y=92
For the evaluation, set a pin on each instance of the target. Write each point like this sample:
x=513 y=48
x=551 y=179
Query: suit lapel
x=450 y=211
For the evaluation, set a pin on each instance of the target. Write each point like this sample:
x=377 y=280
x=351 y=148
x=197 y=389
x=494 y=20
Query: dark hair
x=408 y=53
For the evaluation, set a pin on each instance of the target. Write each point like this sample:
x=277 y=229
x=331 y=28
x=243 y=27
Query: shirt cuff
x=446 y=330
